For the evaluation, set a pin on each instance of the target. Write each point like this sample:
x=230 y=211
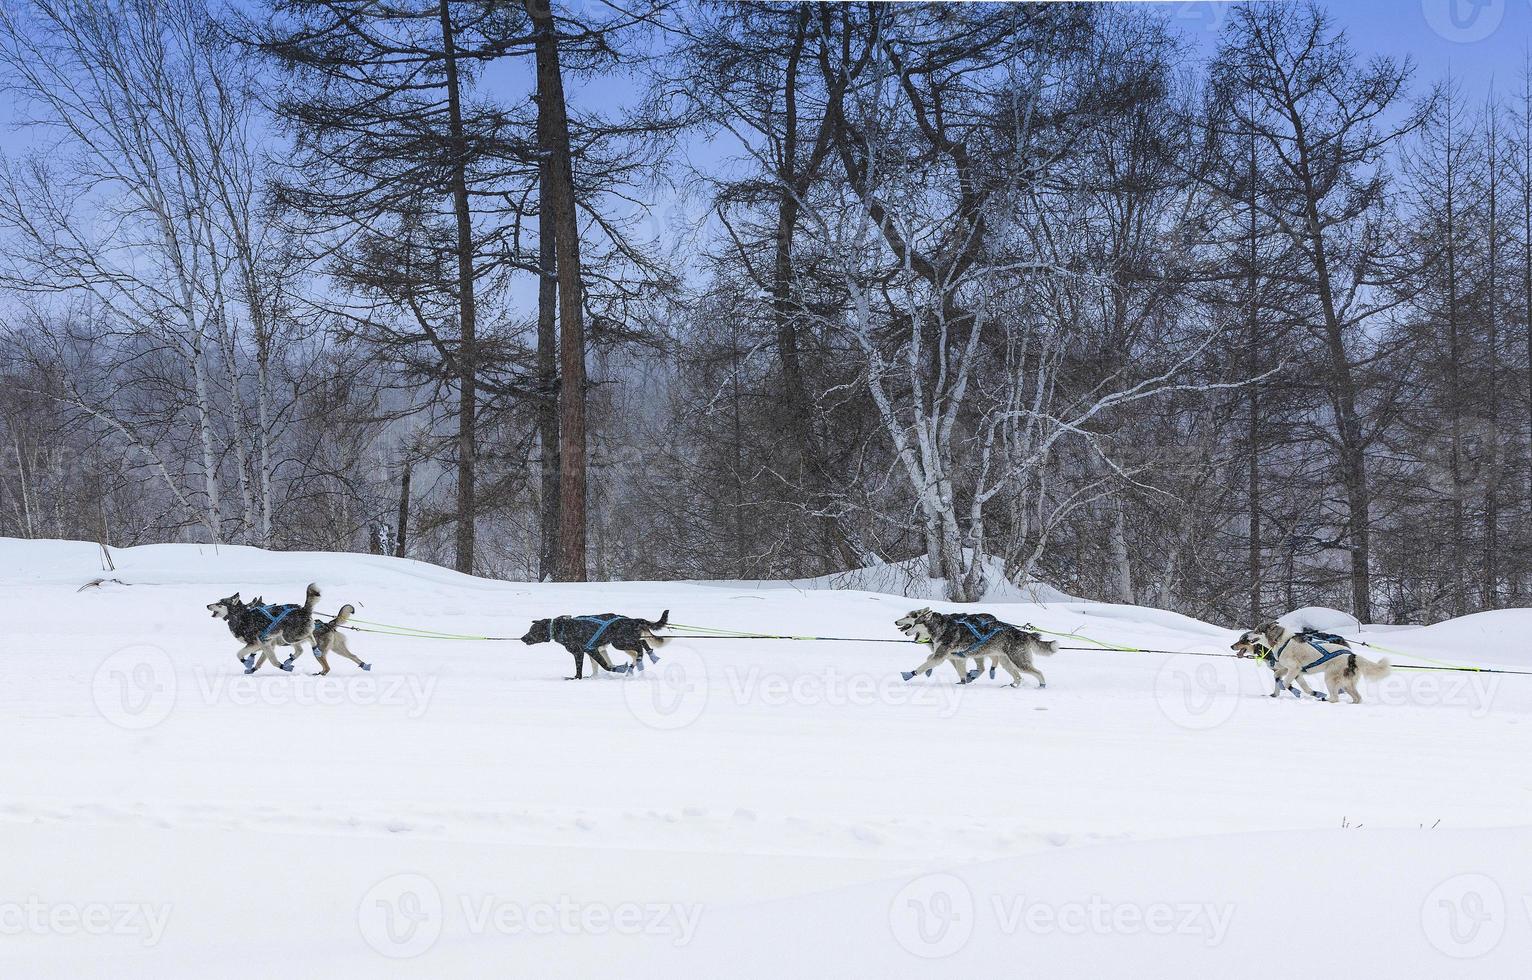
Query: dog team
x=262 y=628
x=971 y=642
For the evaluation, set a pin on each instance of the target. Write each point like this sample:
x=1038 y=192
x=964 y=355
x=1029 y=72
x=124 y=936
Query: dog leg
x=1010 y=668
x=599 y=656
x=960 y=664
x=1042 y=681
x=644 y=648
x=338 y=645
x=246 y=656
x=930 y=664
x=579 y=658
x=287 y=664
x=324 y=665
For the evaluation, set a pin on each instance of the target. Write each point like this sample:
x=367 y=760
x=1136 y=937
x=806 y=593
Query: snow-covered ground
x=746 y=808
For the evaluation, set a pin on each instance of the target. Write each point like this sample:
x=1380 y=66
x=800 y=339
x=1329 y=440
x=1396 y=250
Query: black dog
x=592 y=634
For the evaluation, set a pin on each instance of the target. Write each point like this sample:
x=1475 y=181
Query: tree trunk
x=1491 y=585
x=547 y=371
x=1353 y=455
x=1454 y=387
x=211 y=506
x=1253 y=439
x=467 y=313
x=1122 y=565
x=553 y=139
x=401 y=538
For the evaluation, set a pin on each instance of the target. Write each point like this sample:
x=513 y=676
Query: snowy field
x=746 y=808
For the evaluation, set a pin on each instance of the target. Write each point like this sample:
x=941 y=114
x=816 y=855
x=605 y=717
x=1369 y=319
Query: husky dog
x=329 y=639
x=1252 y=644
x=582 y=635
x=914 y=625
x=1295 y=654
x=261 y=627
x=955 y=639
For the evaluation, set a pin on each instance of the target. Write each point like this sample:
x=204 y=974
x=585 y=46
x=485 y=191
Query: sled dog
x=329 y=639
x=582 y=635
x=956 y=639
x=1294 y=654
x=261 y=628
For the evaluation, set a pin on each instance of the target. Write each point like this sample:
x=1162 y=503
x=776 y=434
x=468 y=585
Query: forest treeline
x=664 y=289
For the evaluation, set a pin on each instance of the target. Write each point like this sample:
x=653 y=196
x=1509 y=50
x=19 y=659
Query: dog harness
x=979 y=637
x=275 y=614
x=1314 y=640
x=601 y=628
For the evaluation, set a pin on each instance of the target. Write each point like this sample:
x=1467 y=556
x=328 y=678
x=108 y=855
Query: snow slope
x=744 y=808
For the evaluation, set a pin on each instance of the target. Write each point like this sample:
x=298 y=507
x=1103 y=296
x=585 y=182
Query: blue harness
x=595 y=638
x=979 y=637
x=1314 y=640
x=1324 y=655
x=275 y=615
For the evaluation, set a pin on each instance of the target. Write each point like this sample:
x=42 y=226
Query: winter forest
x=642 y=289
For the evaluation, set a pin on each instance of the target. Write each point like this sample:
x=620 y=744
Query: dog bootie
x=969 y=677
x=652 y=658
x=991 y=671
x=908 y=674
x=366 y=666
x=640 y=663
x=250 y=669
x=286 y=665
x=928 y=673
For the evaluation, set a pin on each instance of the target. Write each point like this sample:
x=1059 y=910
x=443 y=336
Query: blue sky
x=1477 y=40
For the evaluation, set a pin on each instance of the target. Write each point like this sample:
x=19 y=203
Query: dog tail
x=1373 y=670
x=310 y=598
x=659 y=624
x=345 y=613
x=1046 y=648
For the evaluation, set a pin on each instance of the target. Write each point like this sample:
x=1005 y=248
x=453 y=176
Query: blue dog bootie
x=907 y=674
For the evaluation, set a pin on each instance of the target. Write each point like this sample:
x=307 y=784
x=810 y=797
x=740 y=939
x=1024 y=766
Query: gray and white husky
x=1292 y=655
x=329 y=639
x=261 y=627
x=959 y=638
